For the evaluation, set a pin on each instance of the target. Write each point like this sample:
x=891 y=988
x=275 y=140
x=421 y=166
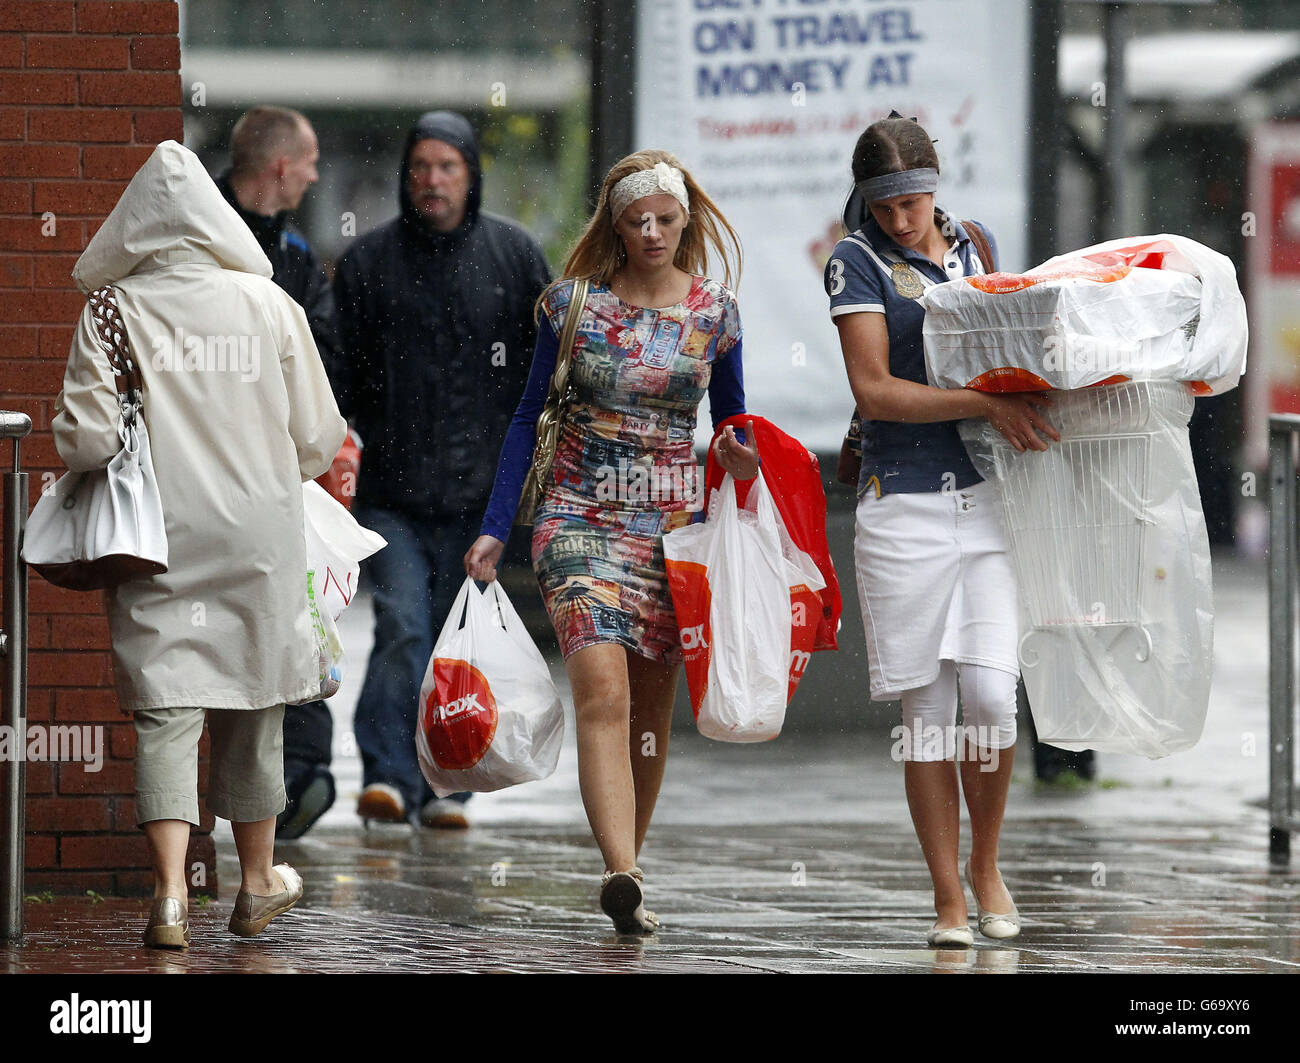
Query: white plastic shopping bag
x=732 y=588
x=336 y=546
x=1142 y=308
x=489 y=714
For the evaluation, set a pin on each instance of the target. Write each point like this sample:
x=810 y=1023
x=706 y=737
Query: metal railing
x=1283 y=599
x=13 y=693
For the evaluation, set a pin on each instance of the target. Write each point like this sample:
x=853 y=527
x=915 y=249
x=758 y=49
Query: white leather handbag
x=97 y=529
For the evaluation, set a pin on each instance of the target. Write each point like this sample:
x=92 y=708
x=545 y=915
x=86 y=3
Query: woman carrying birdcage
x=937 y=591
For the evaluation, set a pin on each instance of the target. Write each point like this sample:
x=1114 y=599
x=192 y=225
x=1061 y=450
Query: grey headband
x=925 y=179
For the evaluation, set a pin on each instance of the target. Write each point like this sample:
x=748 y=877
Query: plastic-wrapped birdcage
x=1109 y=547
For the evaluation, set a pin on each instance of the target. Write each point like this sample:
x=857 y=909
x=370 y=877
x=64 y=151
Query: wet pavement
x=777 y=894
x=791 y=856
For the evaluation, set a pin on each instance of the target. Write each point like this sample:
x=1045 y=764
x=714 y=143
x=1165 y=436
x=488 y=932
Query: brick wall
x=86 y=90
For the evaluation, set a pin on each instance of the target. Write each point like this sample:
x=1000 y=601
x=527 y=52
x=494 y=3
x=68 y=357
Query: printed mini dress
x=625 y=470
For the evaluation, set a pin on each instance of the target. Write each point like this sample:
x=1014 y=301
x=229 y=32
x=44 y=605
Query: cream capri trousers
x=246 y=766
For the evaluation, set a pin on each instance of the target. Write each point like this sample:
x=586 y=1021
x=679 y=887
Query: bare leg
x=169 y=839
x=653 y=686
x=933 y=799
x=598 y=676
x=986 y=800
x=255 y=843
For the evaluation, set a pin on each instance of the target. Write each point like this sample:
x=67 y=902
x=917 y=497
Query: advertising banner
x=1273 y=222
x=763 y=100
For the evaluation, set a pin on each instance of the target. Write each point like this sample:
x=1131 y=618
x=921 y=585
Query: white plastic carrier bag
x=1141 y=308
x=336 y=545
x=738 y=582
x=1104 y=529
x=489 y=714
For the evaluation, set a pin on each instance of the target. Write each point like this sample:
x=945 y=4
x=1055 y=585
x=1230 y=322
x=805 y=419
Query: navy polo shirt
x=869 y=273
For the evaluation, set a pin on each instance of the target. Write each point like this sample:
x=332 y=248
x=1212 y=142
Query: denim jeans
x=414 y=581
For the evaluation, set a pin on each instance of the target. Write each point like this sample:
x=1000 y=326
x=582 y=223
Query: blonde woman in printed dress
x=655 y=334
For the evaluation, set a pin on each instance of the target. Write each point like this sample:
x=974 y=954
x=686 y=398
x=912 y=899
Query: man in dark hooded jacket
x=435 y=313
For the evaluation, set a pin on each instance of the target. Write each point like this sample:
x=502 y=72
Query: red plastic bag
x=340 y=479
x=792 y=473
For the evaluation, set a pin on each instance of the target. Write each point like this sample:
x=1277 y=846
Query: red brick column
x=86 y=90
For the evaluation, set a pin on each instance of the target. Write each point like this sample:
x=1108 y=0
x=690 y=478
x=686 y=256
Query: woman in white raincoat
x=239 y=414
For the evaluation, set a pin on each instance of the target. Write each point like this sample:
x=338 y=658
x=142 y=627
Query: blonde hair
x=599 y=252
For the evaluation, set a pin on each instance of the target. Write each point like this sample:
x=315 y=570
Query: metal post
x=613 y=86
x=13 y=694
x=1284 y=431
x=1046 y=120
x=1115 y=130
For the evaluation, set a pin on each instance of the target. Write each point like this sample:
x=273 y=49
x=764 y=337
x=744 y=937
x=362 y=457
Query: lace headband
x=662 y=178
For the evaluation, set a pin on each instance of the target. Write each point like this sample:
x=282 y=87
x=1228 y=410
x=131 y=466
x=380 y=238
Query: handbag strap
x=111 y=332
x=981 y=243
x=563 y=358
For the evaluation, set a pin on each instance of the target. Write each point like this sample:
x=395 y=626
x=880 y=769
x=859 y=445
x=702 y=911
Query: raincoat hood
x=454 y=129
x=170 y=213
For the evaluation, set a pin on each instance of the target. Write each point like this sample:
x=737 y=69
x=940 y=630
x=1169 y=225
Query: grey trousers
x=246 y=767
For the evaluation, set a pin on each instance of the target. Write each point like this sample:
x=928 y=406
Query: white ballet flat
x=996 y=925
x=950 y=937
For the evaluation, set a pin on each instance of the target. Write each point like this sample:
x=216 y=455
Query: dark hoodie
x=437 y=337
x=295 y=268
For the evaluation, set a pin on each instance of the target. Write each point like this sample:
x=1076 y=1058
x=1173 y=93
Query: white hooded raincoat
x=239 y=413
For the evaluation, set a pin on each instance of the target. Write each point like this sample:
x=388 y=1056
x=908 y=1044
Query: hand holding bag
x=97 y=529
x=339 y=481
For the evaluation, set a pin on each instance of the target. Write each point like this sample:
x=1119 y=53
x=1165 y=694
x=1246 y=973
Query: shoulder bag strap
x=564 y=355
x=548 y=422
x=981 y=243
x=112 y=338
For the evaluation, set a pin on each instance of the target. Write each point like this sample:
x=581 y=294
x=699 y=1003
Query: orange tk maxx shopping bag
x=748 y=608
x=793 y=475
